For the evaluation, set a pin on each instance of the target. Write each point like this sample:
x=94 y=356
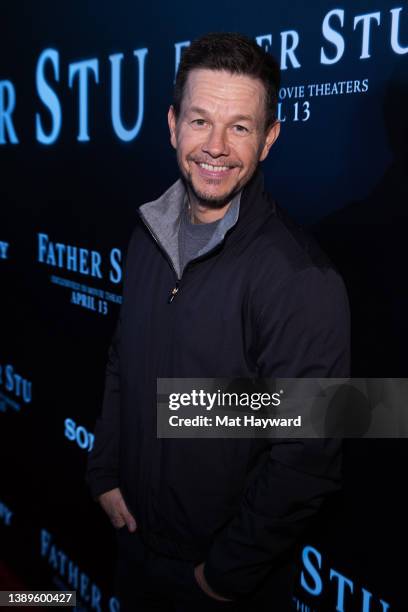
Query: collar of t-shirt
x=193 y=236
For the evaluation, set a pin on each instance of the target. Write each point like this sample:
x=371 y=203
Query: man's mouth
x=213 y=169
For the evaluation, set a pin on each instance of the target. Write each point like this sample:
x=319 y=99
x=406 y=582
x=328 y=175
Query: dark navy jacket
x=262 y=302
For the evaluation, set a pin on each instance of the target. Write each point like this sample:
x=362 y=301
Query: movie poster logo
x=15 y=389
x=82 y=263
x=347 y=594
x=68 y=576
x=340 y=31
x=4 y=250
x=6 y=514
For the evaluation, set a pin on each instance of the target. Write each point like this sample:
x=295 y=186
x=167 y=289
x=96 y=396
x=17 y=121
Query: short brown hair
x=237 y=54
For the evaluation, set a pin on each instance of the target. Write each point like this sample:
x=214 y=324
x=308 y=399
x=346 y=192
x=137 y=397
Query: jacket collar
x=163 y=216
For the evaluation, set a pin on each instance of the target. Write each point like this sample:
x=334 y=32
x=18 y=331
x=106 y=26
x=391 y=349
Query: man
x=216 y=285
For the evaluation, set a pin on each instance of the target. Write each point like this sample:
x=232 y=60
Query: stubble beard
x=201 y=197
x=205 y=199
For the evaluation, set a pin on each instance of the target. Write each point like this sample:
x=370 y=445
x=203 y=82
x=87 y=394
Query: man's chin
x=211 y=200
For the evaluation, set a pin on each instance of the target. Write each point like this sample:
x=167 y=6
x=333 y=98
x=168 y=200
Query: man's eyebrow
x=197 y=109
x=202 y=111
x=242 y=118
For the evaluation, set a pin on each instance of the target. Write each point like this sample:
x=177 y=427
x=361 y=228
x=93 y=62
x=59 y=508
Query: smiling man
x=221 y=130
x=218 y=283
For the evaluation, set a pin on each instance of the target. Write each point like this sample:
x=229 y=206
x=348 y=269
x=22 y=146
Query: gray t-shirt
x=193 y=237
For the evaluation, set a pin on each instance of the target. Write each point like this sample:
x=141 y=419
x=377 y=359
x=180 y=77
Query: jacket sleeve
x=303 y=331
x=102 y=472
x=102 y=468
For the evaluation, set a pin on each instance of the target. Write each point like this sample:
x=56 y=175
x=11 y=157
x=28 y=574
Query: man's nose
x=216 y=143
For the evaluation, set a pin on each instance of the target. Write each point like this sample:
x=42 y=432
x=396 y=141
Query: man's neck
x=199 y=213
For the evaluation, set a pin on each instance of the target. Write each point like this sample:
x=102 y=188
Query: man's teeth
x=214 y=168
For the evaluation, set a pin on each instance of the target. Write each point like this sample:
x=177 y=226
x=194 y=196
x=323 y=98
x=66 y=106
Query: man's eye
x=199 y=122
x=241 y=129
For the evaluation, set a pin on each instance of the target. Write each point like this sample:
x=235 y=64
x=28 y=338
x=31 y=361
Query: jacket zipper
x=173 y=292
x=176 y=287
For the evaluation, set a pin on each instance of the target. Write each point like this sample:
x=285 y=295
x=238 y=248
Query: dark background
x=343 y=173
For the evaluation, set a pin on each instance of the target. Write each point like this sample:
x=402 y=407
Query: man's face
x=220 y=133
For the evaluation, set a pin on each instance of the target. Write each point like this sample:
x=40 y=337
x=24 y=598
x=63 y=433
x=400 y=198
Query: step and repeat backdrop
x=84 y=92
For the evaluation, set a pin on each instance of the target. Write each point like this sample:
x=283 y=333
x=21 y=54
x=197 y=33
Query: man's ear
x=271 y=136
x=171 y=118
